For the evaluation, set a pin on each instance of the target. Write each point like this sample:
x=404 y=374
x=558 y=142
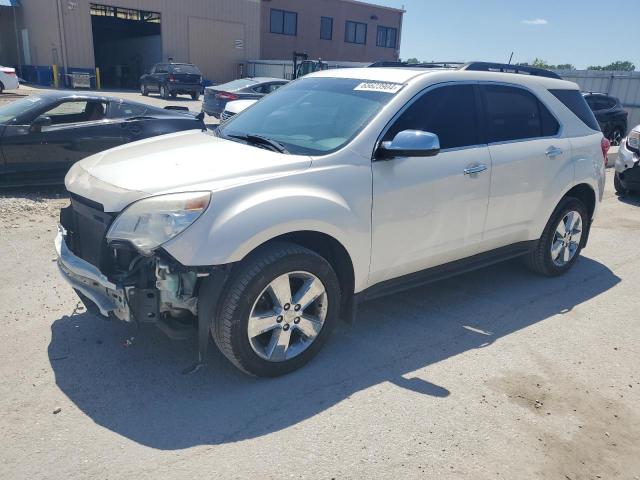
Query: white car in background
x=233 y=108
x=8 y=79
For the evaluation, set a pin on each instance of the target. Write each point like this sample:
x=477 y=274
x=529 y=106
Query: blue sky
x=559 y=31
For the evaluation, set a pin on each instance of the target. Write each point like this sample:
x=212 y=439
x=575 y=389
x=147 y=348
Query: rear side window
x=575 y=102
x=449 y=112
x=516 y=114
x=126 y=110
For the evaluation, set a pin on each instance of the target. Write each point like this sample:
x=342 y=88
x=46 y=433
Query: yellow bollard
x=98 y=78
x=55 y=76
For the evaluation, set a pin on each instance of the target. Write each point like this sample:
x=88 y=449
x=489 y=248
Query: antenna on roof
x=510 y=58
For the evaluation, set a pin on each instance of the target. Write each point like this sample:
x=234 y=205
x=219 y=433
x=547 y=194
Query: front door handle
x=553 y=152
x=475 y=169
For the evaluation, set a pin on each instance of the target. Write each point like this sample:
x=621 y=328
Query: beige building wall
x=190 y=28
x=279 y=47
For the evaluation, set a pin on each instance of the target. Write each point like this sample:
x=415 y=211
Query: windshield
x=9 y=112
x=313 y=116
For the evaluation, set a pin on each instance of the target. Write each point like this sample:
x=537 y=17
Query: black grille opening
x=86 y=224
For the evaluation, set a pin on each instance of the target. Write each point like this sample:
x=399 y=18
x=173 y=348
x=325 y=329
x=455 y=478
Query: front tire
x=164 y=92
x=1 y=88
x=143 y=90
x=562 y=239
x=620 y=189
x=277 y=310
x=195 y=96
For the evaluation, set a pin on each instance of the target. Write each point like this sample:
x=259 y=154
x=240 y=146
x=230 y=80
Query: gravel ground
x=496 y=374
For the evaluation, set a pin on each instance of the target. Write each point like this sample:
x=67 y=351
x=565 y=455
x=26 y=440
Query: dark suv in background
x=610 y=115
x=171 y=79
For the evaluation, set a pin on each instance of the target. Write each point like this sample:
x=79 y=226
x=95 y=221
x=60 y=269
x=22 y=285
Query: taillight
x=171 y=78
x=226 y=96
x=605 y=145
x=11 y=73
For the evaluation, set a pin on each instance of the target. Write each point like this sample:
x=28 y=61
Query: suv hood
x=183 y=161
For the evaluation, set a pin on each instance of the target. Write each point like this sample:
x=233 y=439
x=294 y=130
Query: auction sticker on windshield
x=385 y=87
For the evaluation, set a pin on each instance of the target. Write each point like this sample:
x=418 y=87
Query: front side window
x=76 y=111
x=450 y=112
x=326 y=28
x=387 y=37
x=284 y=22
x=516 y=114
x=355 y=32
x=313 y=116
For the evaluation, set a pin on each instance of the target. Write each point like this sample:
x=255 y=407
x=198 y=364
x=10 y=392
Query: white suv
x=341 y=186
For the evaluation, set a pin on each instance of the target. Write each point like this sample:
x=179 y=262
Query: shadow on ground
x=138 y=390
x=630 y=199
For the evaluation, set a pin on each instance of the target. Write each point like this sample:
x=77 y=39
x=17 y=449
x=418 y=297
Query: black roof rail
x=388 y=64
x=509 y=68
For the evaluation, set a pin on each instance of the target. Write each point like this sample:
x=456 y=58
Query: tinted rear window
x=235 y=85
x=575 y=102
x=185 y=69
x=516 y=114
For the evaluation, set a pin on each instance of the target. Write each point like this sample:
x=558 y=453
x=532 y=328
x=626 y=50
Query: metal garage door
x=216 y=48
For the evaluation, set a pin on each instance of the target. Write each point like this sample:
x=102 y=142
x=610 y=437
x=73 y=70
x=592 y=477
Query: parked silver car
x=216 y=98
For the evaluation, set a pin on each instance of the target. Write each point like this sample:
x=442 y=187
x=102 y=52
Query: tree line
x=619 y=65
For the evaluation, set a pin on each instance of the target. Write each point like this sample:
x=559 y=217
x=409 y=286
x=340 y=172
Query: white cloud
x=535 y=21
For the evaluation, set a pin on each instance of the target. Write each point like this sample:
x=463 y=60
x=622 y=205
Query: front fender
x=243 y=218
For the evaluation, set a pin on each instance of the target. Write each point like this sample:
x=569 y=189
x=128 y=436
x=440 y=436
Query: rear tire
x=619 y=188
x=164 y=92
x=254 y=293
x=143 y=90
x=195 y=96
x=555 y=254
x=1 y=88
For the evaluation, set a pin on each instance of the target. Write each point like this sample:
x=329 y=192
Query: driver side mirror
x=409 y=143
x=39 y=123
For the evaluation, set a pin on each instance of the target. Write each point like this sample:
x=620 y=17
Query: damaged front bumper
x=110 y=300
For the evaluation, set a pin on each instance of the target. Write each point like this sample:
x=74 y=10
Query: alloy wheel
x=566 y=239
x=288 y=316
x=616 y=137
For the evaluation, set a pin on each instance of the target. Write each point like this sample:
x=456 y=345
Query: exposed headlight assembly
x=150 y=222
x=633 y=140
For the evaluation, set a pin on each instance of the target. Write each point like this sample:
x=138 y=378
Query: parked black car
x=216 y=98
x=41 y=136
x=171 y=79
x=610 y=115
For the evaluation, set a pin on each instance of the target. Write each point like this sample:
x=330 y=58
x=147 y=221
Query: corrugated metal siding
x=40 y=18
x=624 y=85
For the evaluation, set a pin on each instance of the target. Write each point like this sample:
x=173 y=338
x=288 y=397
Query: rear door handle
x=475 y=169
x=553 y=152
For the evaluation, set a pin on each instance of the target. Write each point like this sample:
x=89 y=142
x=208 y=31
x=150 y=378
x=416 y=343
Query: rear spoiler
x=178 y=108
